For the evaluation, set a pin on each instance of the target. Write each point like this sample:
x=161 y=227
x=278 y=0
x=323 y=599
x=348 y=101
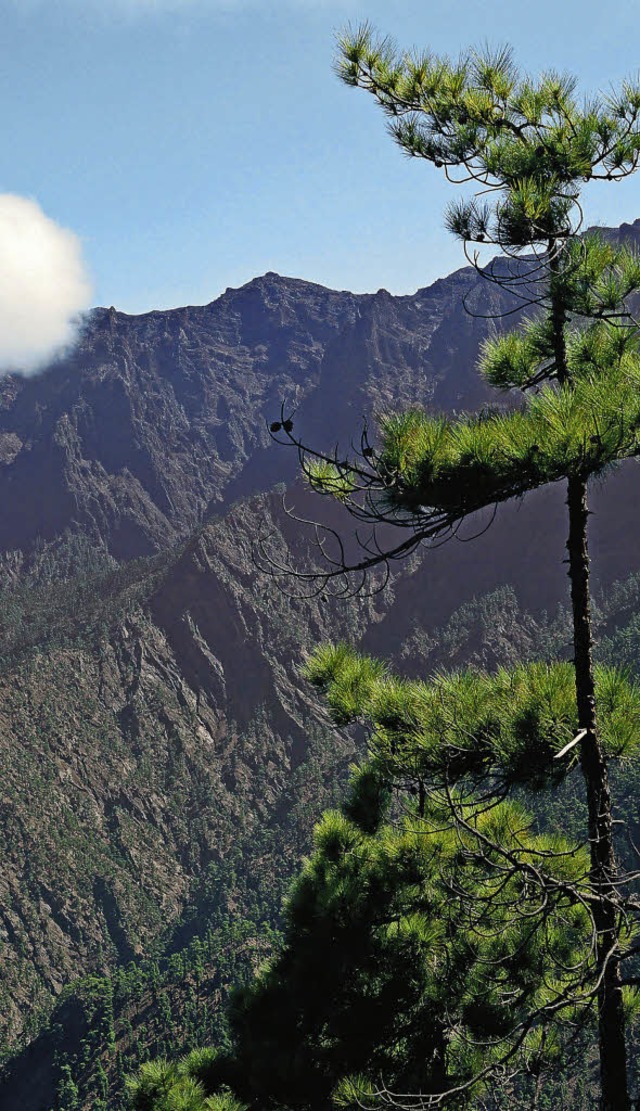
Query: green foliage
x=533 y=142
x=203 y=1065
x=442 y=468
x=367 y=807
x=513 y=359
x=529 y=146
x=458 y=466
x=68 y=1096
x=163 y=1086
x=349 y=679
x=69 y=593
x=487 y=632
x=173 y=999
x=411 y=955
x=510 y=724
x=327 y=477
x=153 y=1085
x=368 y=798
x=434 y=937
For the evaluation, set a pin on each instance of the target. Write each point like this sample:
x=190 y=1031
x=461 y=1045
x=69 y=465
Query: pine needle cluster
x=576 y=420
x=470 y=725
x=410 y=954
x=478 y=118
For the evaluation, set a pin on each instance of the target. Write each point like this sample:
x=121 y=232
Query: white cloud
x=43 y=286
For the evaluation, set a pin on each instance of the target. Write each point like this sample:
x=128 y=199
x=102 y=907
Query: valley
x=163 y=761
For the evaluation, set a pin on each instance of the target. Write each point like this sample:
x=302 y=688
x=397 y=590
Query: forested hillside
x=164 y=761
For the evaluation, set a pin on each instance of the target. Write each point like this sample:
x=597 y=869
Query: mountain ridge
x=153 y=715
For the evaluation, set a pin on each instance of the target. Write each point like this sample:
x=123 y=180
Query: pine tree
x=529 y=146
x=178 y=1086
x=68 y=1095
x=435 y=944
x=406 y=959
x=435 y=940
x=462 y=743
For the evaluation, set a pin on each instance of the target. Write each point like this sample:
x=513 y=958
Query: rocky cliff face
x=153 y=422
x=145 y=740
x=150 y=418
x=139 y=751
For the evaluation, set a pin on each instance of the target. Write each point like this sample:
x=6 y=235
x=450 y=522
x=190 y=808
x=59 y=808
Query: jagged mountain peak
x=153 y=716
x=154 y=421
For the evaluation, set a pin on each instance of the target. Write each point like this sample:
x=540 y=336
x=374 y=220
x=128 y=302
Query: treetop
x=531 y=140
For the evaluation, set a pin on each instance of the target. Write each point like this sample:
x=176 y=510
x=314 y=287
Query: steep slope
x=152 y=422
x=153 y=724
x=149 y=418
x=137 y=755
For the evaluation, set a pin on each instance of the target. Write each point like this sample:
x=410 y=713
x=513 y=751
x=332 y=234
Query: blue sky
x=192 y=144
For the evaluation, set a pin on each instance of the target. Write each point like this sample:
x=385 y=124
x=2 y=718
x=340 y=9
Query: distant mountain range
x=152 y=712
x=155 y=421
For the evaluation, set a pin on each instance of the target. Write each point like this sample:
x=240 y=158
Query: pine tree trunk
x=603 y=871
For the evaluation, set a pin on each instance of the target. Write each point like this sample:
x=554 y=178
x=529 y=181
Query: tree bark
x=603 y=870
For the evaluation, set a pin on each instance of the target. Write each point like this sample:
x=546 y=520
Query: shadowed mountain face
x=154 y=421
x=151 y=418
x=135 y=755
x=151 y=722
